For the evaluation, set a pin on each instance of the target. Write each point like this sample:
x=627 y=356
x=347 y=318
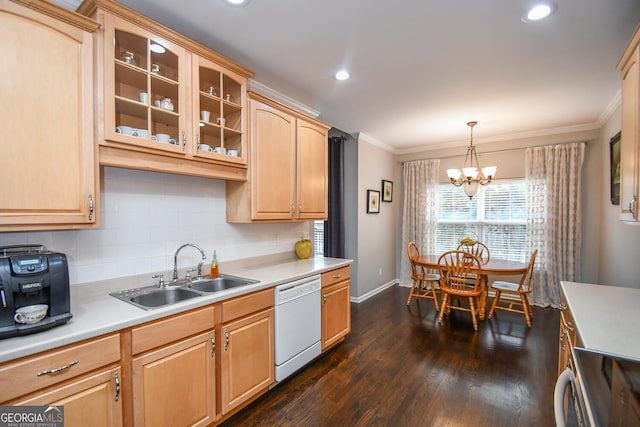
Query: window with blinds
x=318 y=238
x=496 y=216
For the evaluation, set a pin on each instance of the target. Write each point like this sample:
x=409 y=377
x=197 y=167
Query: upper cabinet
x=288 y=167
x=48 y=170
x=145 y=88
x=167 y=103
x=630 y=132
x=219 y=111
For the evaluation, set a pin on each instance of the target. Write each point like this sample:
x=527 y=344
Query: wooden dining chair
x=460 y=277
x=521 y=289
x=478 y=249
x=424 y=280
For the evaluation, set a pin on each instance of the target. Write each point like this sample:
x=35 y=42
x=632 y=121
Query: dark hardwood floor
x=399 y=367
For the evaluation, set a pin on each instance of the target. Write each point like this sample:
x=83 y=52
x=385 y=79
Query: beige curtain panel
x=554 y=217
x=419 y=210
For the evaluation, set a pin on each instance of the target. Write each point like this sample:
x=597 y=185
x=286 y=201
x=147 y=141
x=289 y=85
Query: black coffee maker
x=30 y=275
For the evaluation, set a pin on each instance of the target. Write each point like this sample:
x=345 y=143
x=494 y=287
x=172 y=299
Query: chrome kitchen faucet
x=175 y=258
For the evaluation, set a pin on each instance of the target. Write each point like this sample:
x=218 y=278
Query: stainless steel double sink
x=150 y=297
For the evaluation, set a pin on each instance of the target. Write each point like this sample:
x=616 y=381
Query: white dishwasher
x=297 y=324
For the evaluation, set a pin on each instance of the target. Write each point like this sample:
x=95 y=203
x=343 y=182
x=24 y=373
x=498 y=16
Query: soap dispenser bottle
x=214 y=265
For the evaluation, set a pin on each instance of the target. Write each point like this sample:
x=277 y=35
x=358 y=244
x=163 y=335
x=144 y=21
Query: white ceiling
x=421 y=69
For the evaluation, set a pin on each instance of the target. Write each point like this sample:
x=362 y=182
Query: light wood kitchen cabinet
x=49 y=169
x=569 y=337
x=246 y=349
x=221 y=93
x=630 y=132
x=153 y=83
x=95 y=398
x=336 y=306
x=173 y=370
x=288 y=167
x=85 y=378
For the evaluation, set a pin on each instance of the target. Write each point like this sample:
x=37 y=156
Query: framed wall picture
x=373 y=201
x=614 y=151
x=387 y=191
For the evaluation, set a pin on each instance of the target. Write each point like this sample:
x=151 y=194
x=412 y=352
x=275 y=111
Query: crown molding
x=611 y=108
x=586 y=127
x=282 y=98
x=361 y=136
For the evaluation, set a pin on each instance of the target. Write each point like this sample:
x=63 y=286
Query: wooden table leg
x=482 y=303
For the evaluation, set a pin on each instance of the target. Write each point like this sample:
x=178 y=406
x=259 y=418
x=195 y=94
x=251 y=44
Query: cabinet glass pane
x=163 y=63
x=233 y=141
x=231 y=90
x=209 y=82
x=165 y=127
x=131 y=49
x=210 y=135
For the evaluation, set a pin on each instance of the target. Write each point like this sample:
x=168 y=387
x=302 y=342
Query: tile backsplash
x=146 y=216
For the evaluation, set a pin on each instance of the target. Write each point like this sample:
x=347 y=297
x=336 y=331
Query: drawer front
x=165 y=331
x=336 y=276
x=247 y=304
x=33 y=373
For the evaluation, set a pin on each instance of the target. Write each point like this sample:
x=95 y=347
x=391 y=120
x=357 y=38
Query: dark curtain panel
x=334 y=245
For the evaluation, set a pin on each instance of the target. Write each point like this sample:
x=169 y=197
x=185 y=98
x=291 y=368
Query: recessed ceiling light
x=539 y=11
x=237 y=2
x=155 y=47
x=342 y=75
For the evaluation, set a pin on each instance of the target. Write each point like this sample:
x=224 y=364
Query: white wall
x=376 y=232
x=146 y=216
x=619 y=243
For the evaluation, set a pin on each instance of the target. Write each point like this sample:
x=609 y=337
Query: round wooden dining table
x=495 y=266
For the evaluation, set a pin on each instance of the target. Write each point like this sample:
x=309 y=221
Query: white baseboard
x=377 y=290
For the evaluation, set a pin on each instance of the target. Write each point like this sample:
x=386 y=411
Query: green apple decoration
x=303 y=248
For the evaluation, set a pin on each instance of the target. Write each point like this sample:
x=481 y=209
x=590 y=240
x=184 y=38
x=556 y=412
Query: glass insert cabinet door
x=146 y=104
x=218 y=105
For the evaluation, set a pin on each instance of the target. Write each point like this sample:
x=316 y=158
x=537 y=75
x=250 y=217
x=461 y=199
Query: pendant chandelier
x=471 y=174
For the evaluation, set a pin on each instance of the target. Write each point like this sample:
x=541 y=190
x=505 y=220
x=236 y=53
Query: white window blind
x=318 y=238
x=496 y=216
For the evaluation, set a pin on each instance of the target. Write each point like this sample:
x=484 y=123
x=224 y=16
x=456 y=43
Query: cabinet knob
x=226 y=340
x=184 y=141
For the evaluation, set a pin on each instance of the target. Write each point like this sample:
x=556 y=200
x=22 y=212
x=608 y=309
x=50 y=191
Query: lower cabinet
x=175 y=385
x=336 y=306
x=246 y=349
x=568 y=337
x=95 y=398
x=85 y=378
x=173 y=371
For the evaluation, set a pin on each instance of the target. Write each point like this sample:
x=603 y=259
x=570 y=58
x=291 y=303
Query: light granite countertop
x=607 y=318
x=95 y=312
